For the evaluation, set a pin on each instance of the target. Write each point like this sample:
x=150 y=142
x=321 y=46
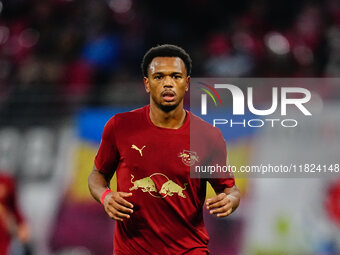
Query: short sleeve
x=219 y=157
x=107 y=156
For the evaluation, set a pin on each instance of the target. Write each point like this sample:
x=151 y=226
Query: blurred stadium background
x=66 y=66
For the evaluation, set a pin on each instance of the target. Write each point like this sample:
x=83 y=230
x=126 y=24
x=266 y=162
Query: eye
x=177 y=76
x=157 y=77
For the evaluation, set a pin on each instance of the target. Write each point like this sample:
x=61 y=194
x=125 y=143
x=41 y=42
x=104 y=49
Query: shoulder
x=126 y=118
x=202 y=128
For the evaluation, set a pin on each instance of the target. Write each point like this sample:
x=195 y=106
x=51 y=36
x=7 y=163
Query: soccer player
x=158 y=208
x=11 y=220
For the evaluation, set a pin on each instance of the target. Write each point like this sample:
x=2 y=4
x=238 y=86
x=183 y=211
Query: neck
x=173 y=119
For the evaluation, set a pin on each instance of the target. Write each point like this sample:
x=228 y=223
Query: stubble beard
x=166 y=108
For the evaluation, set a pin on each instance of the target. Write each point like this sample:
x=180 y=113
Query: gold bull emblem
x=146 y=184
x=170 y=187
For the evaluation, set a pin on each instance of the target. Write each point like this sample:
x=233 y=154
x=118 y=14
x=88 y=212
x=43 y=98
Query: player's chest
x=158 y=153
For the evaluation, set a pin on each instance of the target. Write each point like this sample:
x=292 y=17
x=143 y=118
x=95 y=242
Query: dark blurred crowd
x=58 y=54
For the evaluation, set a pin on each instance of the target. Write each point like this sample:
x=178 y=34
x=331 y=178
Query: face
x=167 y=82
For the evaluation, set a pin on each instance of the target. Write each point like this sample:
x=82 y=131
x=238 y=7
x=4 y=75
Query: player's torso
x=155 y=163
x=155 y=167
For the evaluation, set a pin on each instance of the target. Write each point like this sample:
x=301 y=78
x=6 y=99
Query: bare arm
x=115 y=204
x=98 y=183
x=225 y=202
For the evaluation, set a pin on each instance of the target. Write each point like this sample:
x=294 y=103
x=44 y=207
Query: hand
x=117 y=207
x=221 y=205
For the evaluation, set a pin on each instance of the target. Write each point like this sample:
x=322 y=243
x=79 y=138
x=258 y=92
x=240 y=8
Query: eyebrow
x=171 y=73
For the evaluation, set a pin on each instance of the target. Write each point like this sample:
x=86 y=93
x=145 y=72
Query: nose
x=168 y=82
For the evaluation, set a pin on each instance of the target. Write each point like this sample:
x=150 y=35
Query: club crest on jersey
x=189 y=158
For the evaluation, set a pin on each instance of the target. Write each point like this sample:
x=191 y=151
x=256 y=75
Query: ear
x=188 y=83
x=146 y=84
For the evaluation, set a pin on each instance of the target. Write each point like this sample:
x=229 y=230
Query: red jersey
x=9 y=211
x=154 y=164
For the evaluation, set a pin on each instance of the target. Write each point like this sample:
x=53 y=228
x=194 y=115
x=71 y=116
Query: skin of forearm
x=234 y=196
x=97 y=184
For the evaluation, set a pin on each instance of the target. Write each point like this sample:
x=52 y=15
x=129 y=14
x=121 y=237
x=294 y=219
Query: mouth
x=168 y=95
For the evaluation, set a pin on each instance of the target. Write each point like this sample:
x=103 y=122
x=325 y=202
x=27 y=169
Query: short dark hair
x=165 y=50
